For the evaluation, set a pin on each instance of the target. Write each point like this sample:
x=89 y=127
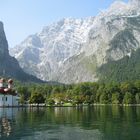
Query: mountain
x=74 y=50
x=9 y=66
x=43 y=53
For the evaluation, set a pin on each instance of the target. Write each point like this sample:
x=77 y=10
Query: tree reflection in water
x=5 y=126
x=69 y=123
x=6 y=120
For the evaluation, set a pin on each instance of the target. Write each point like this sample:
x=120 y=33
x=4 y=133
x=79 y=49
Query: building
x=8 y=96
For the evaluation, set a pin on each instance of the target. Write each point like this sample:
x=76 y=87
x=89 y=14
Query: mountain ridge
x=74 y=49
x=48 y=54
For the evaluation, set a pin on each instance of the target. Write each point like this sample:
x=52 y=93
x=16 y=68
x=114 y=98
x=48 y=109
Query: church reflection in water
x=6 y=120
x=5 y=126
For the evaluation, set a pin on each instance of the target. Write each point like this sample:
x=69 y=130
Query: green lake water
x=70 y=123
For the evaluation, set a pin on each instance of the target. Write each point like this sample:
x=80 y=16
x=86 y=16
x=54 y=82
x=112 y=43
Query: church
x=8 y=96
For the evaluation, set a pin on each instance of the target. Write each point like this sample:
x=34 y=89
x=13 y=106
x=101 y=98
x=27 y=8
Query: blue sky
x=24 y=17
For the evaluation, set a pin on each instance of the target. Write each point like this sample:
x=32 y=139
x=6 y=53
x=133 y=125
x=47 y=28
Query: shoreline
x=80 y=105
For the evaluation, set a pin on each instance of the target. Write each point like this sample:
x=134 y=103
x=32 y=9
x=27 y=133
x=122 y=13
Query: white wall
x=15 y=100
x=8 y=100
x=1 y=101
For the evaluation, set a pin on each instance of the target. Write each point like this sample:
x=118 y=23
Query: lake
x=70 y=123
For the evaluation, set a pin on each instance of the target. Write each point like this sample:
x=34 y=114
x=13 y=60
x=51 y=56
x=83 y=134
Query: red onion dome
x=2 y=80
x=10 y=81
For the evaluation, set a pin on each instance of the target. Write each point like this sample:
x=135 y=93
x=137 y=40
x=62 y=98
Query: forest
x=125 y=69
x=79 y=94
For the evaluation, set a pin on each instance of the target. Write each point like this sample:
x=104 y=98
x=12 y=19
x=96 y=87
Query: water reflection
x=6 y=119
x=5 y=126
x=84 y=123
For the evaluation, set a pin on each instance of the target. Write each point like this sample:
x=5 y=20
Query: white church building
x=8 y=96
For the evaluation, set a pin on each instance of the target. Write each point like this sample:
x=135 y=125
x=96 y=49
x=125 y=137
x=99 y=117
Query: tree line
x=82 y=93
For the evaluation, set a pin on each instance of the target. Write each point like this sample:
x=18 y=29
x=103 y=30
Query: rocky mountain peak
x=9 y=66
x=72 y=49
x=3 y=42
x=1 y=25
x=53 y=45
x=134 y=2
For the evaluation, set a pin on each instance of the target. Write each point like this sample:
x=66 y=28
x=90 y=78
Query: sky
x=22 y=18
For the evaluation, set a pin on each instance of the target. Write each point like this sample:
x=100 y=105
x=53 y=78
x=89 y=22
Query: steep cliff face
x=3 y=43
x=9 y=66
x=115 y=34
x=43 y=53
x=72 y=50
